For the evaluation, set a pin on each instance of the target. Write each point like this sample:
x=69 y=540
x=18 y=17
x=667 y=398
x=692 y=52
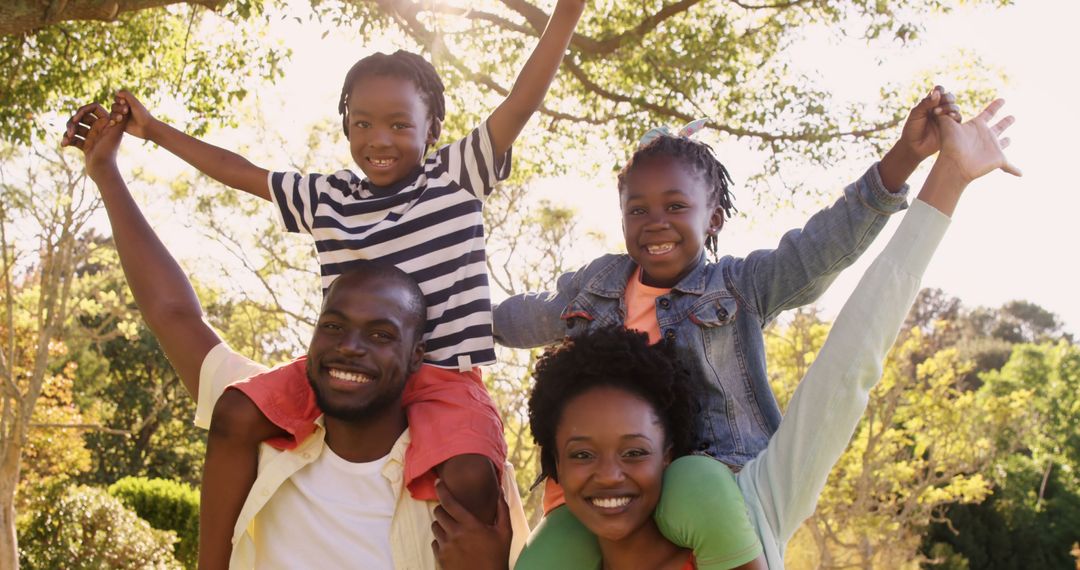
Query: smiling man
x=337 y=499
x=334 y=500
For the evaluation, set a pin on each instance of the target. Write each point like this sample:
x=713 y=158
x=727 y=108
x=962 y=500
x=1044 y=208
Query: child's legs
x=232 y=454
x=560 y=540
x=456 y=434
x=702 y=509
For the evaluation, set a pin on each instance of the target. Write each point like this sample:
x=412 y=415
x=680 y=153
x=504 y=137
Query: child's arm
x=789 y=475
x=529 y=320
x=919 y=139
x=507 y=120
x=807 y=260
x=160 y=287
x=222 y=165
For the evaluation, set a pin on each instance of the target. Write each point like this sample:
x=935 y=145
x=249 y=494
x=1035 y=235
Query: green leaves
x=53 y=71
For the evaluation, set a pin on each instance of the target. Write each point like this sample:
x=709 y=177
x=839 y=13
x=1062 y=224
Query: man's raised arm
x=160 y=287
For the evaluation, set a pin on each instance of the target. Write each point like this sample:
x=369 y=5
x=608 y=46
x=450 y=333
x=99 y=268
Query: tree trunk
x=9 y=477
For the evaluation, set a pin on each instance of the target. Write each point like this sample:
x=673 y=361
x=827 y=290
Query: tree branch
x=776 y=6
x=407 y=15
x=29 y=16
x=662 y=110
x=597 y=48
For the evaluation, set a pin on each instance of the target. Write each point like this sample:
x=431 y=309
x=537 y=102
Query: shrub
x=84 y=528
x=166 y=505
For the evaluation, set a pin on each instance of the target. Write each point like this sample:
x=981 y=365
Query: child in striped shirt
x=418 y=211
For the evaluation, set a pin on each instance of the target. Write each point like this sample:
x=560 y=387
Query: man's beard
x=358 y=413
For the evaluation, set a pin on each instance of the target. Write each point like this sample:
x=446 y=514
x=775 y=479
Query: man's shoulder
x=220 y=367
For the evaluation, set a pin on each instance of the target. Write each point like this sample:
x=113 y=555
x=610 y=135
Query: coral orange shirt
x=641 y=307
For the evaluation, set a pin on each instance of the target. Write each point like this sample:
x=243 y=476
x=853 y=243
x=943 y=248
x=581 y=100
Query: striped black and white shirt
x=428 y=225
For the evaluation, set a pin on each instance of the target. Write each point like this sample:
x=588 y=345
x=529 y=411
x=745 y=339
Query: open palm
x=975 y=147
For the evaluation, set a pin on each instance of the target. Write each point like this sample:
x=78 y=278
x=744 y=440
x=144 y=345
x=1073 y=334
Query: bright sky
x=1011 y=238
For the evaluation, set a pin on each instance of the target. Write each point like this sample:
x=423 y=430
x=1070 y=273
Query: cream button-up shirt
x=410 y=529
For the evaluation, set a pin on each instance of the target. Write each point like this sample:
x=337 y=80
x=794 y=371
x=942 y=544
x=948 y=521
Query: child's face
x=666 y=216
x=611 y=453
x=389 y=127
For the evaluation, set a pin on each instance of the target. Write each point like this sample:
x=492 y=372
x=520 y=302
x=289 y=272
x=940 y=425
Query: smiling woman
x=611 y=413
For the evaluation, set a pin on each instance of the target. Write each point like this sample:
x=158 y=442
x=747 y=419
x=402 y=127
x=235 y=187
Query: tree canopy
x=629 y=66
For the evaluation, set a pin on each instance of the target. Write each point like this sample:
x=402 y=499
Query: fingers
x=78 y=126
x=444 y=520
x=945 y=103
x=1003 y=124
x=1010 y=168
x=990 y=110
x=94 y=133
x=454 y=509
x=932 y=98
x=439 y=532
x=126 y=101
x=120 y=103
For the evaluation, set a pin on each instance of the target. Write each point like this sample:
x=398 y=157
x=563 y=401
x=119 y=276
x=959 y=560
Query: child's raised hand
x=976 y=148
x=921 y=136
x=97 y=133
x=139 y=120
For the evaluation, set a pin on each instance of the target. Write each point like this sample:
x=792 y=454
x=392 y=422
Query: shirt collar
x=395 y=187
x=611 y=280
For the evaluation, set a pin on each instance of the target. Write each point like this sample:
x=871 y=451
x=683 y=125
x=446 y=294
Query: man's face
x=365 y=345
x=610 y=457
x=666 y=216
x=389 y=127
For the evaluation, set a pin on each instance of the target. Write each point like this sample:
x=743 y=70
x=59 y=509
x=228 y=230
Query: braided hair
x=608 y=357
x=405 y=65
x=698 y=156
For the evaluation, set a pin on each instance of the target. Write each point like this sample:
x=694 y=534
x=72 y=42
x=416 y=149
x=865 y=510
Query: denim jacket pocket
x=576 y=316
x=715 y=313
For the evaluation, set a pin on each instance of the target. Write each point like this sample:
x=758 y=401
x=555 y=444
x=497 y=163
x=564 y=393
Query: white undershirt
x=329 y=514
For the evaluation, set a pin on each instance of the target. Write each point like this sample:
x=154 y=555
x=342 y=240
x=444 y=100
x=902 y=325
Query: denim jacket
x=715 y=315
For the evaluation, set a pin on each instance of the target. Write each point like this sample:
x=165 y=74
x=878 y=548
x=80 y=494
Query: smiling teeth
x=660 y=248
x=610 y=502
x=349 y=376
x=381 y=162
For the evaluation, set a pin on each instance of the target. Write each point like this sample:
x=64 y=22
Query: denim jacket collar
x=611 y=280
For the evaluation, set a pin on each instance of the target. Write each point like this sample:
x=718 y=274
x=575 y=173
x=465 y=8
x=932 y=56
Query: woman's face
x=611 y=455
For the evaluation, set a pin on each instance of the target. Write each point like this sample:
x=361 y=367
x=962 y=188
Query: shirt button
x=722 y=314
x=670 y=334
x=665 y=303
x=570 y=323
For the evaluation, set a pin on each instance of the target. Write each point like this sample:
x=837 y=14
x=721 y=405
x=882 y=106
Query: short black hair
x=608 y=357
x=694 y=154
x=367 y=269
x=403 y=64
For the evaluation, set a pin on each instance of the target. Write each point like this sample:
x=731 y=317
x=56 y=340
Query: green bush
x=84 y=528
x=166 y=505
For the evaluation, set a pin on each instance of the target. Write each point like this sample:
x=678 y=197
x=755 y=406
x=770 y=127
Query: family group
x=661 y=443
